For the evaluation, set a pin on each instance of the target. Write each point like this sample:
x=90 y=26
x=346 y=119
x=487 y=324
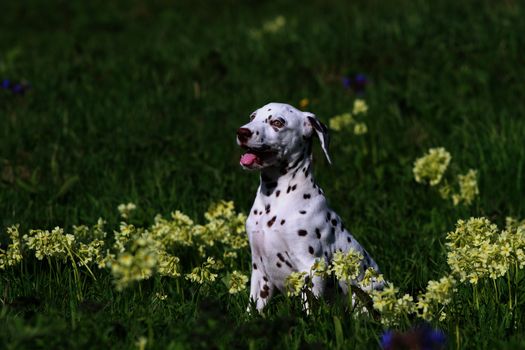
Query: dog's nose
x=244 y=134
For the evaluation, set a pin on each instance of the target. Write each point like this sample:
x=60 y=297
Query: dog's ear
x=313 y=124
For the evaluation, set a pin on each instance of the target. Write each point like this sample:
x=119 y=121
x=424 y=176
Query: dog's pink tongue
x=248 y=159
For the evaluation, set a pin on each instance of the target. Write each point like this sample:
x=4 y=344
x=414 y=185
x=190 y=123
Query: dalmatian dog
x=290 y=224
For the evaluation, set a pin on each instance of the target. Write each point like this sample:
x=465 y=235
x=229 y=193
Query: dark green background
x=113 y=116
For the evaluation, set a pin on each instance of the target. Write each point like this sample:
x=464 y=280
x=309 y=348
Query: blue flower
x=18 y=89
x=432 y=338
x=5 y=84
x=422 y=337
x=360 y=78
x=386 y=339
x=357 y=82
x=347 y=82
x=360 y=82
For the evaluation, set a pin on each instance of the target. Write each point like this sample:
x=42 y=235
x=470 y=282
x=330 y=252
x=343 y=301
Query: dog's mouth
x=256 y=157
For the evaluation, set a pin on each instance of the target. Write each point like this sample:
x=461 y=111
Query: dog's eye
x=252 y=117
x=277 y=123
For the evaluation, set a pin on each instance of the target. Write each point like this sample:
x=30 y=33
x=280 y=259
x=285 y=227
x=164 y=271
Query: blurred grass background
x=139 y=101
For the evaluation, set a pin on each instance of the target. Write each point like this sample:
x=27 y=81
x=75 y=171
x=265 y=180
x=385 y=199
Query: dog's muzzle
x=243 y=134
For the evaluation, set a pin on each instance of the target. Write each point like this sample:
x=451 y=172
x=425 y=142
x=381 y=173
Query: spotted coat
x=290 y=224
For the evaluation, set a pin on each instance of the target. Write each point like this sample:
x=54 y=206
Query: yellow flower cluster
x=13 y=254
x=360 y=107
x=429 y=305
x=203 y=274
x=237 y=282
x=221 y=237
x=477 y=249
x=274 y=25
x=319 y=268
x=160 y=296
x=370 y=278
x=431 y=167
x=346 y=267
x=304 y=103
x=391 y=308
x=439 y=293
x=91 y=252
x=137 y=262
x=295 y=283
x=138 y=253
x=138 y=256
x=224 y=226
x=269 y=27
x=468 y=188
x=178 y=230
x=347 y=120
x=126 y=209
x=341 y=121
x=360 y=128
x=46 y=243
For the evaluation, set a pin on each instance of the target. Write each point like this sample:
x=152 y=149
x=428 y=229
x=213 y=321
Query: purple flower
x=357 y=82
x=422 y=337
x=360 y=82
x=386 y=339
x=360 y=78
x=5 y=84
x=347 y=82
x=18 y=89
x=432 y=338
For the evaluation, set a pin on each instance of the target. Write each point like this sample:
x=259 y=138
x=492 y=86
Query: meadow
x=109 y=103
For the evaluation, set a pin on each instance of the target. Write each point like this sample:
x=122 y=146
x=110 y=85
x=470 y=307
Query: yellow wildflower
x=405 y=305
x=168 y=265
x=475 y=250
x=360 y=129
x=237 y=282
x=295 y=283
x=432 y=166
x=304 y=103
x=370 y=278
x=347 y=266
x=126 y=209
x=360 y=106
x=90 y=252
x=178 y=230
x=204 y=274
x=49 y=243
x=160 y=296
x=441 y=291
x=13 y=254
x=319 y=268
x=229 y=255
x=274 y=25
x=468 y=188
x=340 y=122
x=391 y=308
x=137 y=261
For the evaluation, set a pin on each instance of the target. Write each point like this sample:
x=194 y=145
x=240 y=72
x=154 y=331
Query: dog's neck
x=296 y=175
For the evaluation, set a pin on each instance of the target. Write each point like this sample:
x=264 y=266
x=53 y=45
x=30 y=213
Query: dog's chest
x=282 y=235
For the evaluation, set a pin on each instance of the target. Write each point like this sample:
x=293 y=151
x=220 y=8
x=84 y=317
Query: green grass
x=139 y=101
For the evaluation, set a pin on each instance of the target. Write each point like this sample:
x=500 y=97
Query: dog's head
x=279 y=134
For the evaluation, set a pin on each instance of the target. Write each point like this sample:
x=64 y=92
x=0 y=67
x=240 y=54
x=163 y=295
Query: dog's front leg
x=261 y=290
x=314 y=290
